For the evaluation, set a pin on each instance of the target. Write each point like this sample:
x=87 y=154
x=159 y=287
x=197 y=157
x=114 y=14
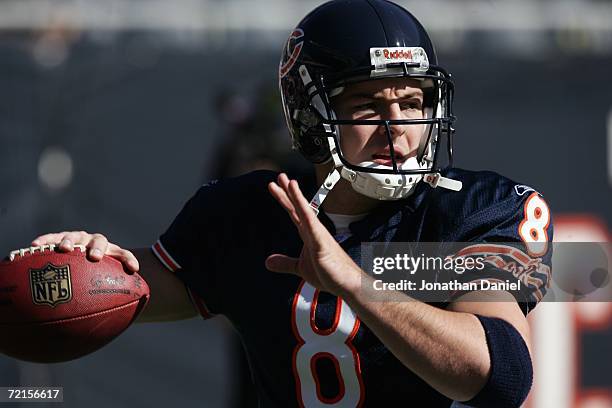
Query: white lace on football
x=31 y=250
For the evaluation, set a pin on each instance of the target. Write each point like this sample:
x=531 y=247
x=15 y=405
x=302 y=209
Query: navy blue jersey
x=307 y=348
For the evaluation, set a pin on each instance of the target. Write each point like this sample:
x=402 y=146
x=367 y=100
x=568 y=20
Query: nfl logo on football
x=51 y=285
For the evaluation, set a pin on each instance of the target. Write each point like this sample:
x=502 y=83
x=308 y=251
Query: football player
x=367 y=103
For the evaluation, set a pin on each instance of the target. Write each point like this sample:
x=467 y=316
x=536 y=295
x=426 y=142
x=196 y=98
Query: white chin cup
x=384 y=186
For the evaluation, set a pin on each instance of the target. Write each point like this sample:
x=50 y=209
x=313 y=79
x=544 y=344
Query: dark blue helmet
x=347 y=41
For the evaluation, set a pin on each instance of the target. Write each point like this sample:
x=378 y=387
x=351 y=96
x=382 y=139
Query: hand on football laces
x=97 y=246
x=322 y=262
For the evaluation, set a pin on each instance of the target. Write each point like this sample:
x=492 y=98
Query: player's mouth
x=385 y=159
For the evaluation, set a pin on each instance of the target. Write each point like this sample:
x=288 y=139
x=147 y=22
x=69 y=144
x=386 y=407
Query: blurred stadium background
x=112 y=113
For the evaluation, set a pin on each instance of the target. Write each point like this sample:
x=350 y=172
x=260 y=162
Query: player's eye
x=412 y=104
x=366 y=106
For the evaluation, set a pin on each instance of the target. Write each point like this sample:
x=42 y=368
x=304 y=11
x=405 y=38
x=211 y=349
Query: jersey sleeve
x=190 y=246
x=513 y=240
x=205 y=242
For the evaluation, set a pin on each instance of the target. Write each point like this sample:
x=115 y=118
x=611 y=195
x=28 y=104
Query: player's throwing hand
x=97 y=246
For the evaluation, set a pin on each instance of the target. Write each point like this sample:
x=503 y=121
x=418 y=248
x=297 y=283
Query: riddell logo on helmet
x=397 y=54
x=382 y=56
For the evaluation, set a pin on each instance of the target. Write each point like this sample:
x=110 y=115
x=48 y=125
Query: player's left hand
x=322 y=262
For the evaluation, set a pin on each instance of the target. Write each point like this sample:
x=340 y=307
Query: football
x=58 y=306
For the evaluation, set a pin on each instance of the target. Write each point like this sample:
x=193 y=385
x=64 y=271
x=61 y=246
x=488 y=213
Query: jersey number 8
x=333 y=343
x=532 y=229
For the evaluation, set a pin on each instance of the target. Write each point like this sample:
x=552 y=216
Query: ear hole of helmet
x=313 y=145
x=312 y=137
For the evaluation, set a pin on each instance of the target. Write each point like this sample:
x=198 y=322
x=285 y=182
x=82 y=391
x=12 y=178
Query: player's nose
x=393 y=112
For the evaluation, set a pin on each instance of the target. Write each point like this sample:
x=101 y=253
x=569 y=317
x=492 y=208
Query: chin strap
x=433 y=179
x=327 y=186
x=330 y=181
x=436 y=180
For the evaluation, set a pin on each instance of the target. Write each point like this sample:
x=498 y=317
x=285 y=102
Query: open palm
x=322 y=262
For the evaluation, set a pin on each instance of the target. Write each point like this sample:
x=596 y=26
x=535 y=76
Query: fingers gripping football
x=97 y=246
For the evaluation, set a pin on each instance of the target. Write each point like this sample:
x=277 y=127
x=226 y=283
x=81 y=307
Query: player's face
x=383 y=99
